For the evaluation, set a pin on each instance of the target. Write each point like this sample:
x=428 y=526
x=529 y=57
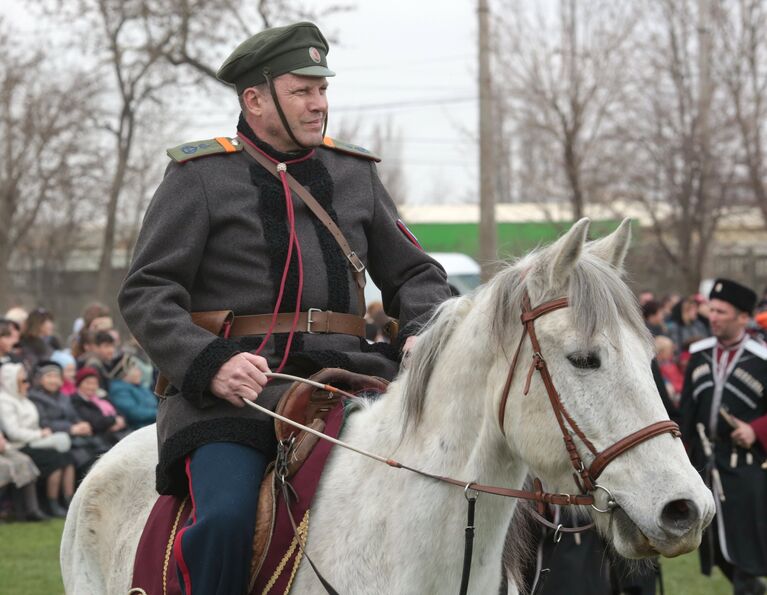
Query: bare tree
x=47 y=143
x=742 y=66
x=677 y=131
x=137 y=44
x=562 y=82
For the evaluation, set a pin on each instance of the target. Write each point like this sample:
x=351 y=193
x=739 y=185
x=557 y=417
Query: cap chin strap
x=269 y=83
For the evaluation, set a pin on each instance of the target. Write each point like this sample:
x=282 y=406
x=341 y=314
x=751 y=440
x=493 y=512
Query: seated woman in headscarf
x=48 y=449
x=57 y=412
x=19 y=473
x=97 y=411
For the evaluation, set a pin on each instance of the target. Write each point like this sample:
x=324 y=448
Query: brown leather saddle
x=275 y=557
x=309 y=406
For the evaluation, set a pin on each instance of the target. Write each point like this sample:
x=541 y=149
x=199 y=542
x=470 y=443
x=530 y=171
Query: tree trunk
x=124 y=142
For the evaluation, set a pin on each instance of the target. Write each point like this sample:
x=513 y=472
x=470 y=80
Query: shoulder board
x=756 y=348
x=349 y=149
x=703 y=344
x=201 y=148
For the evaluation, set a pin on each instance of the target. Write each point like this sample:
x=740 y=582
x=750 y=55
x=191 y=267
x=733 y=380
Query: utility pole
x=705 y=93
x=487 y=231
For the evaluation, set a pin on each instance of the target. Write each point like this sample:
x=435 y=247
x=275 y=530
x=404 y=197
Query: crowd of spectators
x=676 y=322
x=62 y=405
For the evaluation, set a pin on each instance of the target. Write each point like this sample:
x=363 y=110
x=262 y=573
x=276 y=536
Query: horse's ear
x=566 y=251
x=613 y=248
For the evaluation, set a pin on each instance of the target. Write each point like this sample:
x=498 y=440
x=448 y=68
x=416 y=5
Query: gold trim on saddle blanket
x=169 y=547
x=303 y=531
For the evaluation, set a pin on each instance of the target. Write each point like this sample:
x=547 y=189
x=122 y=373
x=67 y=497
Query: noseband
x=585 y=478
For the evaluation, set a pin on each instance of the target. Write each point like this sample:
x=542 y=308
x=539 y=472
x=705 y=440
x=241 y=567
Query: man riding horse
x=226 y=234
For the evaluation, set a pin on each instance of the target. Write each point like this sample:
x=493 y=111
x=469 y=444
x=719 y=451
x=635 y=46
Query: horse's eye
x=585 y=361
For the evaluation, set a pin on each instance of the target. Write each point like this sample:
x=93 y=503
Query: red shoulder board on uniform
x=349 y=149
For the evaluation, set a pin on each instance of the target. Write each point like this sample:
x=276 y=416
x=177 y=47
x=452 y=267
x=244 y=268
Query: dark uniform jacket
x=741 y=520
x=215 y=237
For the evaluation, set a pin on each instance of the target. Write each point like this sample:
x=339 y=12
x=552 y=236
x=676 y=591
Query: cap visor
x=313 y=71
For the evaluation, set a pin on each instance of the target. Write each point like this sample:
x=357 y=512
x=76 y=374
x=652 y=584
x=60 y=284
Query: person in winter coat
x=19 y=473
x=57 y=412
x=68 y=370
x=137 y=404
x=685 y=326
x=98 y=412
x=48 y=449
x=37 y=341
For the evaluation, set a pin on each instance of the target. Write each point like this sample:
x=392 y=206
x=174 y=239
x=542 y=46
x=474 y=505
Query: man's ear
x=252 y=101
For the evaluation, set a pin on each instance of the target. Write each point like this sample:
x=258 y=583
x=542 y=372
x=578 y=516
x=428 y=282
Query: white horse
x=375 y=529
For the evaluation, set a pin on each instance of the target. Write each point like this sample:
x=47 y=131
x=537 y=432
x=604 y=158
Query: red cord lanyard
x=292 y=242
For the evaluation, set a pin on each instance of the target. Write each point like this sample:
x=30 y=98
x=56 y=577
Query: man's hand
x=242 y=377
x=743 y=435
x=45 y=432
x=409 y=344
x=3 y=443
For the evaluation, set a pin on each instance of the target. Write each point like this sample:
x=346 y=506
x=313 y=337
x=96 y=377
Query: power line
x=403 y=104
x=410 y=63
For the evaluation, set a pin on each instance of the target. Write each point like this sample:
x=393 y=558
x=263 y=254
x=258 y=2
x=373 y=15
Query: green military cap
x=299 y=48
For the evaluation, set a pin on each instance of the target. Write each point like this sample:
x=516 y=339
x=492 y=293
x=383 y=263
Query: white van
x=462 y=273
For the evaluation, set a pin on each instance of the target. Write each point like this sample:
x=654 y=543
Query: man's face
x=727 y=322
x=105 y=351
x=8 y=341
x=304 y=104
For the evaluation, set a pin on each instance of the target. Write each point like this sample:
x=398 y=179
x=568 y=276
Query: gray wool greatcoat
x=215 y=237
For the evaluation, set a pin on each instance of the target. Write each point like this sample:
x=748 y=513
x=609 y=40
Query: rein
x=585 y=478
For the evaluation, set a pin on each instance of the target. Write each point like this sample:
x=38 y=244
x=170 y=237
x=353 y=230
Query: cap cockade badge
x=314 y=54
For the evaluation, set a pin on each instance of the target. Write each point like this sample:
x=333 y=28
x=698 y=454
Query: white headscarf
x=9 y=379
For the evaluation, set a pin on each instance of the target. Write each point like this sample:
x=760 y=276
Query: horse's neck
x=457 y=436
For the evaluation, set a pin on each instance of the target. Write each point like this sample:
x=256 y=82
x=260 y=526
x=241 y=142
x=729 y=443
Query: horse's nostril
x=679 y=516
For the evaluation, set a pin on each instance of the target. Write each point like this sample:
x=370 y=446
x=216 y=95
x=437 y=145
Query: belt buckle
x=310 y=321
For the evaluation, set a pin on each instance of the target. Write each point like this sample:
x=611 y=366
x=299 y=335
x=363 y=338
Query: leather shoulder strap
x=358 y=267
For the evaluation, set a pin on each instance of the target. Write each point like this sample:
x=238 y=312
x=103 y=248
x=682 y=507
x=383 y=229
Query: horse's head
x=598 y=353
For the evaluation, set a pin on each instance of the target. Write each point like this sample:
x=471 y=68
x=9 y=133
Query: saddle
x=276 y=555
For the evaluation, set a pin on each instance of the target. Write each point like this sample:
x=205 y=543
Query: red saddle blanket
x=154 y=568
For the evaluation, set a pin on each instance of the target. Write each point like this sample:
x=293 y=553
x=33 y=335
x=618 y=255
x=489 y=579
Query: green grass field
x=29 y=564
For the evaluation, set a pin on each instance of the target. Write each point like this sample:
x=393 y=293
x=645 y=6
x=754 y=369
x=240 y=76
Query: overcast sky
x=413 y=62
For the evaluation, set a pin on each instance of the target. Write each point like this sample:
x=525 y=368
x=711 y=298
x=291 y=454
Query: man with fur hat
x=226 y=231
x=724 y=421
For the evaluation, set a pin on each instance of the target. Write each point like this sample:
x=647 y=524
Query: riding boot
x=214 y=549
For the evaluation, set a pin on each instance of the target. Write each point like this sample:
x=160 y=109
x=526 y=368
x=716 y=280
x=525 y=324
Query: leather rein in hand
x=585 y=478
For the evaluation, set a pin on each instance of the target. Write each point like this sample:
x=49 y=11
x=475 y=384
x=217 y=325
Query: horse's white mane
x=600 y=302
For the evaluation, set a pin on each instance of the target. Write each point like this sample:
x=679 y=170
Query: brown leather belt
x=313 y=321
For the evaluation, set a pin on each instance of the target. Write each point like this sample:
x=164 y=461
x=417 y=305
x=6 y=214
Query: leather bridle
x=585 y=477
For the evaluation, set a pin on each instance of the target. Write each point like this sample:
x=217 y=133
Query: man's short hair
x=650 y=308
x=7 y=326
x=103 y=337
